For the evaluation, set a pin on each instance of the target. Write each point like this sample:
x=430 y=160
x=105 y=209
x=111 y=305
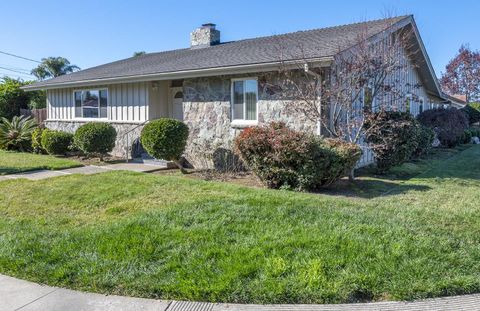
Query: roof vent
x=204 y=36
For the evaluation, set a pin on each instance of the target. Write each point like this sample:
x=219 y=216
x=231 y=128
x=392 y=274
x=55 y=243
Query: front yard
x=16 y=162
x=174 y=237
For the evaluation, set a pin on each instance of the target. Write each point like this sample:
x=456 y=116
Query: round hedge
x=165 y=139
x=95 y=138
x=449 y=124
x=392 y=136
x=56 y=142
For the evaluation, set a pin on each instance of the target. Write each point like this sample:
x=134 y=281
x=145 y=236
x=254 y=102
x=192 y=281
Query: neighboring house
x=217 y=88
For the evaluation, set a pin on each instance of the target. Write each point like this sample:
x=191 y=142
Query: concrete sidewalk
x=17 y=294
x=89 y=169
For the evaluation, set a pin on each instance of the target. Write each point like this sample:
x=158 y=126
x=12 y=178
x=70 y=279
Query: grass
x=173 y=237
x=17 y=162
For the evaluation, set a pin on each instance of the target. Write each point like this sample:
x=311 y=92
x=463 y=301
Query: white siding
x=413 y=85
x=126 y=102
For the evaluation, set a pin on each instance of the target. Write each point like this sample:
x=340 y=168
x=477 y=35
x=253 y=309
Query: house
x=217 y=88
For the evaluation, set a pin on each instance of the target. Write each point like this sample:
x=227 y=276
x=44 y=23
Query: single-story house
x=217 y=88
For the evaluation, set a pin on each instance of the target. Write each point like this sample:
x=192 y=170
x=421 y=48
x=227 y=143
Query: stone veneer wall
x=207 y=112
x=121 y=128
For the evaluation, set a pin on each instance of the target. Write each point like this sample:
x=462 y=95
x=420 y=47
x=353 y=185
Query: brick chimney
x=204 y=36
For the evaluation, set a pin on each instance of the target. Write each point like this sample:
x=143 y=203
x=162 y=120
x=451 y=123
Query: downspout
x=318 y=99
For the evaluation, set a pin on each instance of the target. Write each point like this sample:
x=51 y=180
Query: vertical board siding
x=126 y=102
x=411 y=82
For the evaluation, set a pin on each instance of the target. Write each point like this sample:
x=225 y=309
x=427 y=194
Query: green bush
x=56 y=142
x=95 y=138
x=392 y=136
x=17 y=134
x=37 y=140
x=467 y=136
x=449 y=124
x=165 y=139
x=425 y=137
x=474 y=132
x=472 y=110
x=284 y=158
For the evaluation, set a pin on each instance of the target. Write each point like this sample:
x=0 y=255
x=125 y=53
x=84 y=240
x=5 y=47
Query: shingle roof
x=315 y=43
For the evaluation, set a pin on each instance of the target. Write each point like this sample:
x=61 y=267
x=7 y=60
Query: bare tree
x=368 y=76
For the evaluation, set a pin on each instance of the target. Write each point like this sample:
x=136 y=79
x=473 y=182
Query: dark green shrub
x=347 y=156
x=392 y=136
x=56 y=142
x=37 y=140
x=165 y=139
x=472 y=110
x=95 y=138
x=467 y=136
x=425 y=137
x=474 y=132
x=284 y=158
x=449 y=124
x=17 y=133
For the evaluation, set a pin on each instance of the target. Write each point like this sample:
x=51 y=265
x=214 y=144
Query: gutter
x=262 y=67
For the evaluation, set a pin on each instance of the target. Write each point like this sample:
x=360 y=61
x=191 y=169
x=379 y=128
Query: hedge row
x=94 y=138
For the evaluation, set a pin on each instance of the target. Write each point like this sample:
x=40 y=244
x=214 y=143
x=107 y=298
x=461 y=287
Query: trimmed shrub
x=347 y=156
x=165 y=139
x=474 y=132
x=425 y=137
x=56 y=142
x=467 y=136
x=95 y=138
x=449 y=124
x=37 y=140
x=392 y=136
x=472 y=110
x=284 y=158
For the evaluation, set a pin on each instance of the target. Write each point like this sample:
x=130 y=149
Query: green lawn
x=16 y=162
x=177 y=238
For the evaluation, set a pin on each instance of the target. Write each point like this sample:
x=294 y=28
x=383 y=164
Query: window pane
x=251 y=99
x=103 y=103
x=90 y=104
x=78 y=104
x=238 y=100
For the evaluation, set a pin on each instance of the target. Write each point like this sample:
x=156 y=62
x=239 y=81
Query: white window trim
x=91 y=89
x=241 y=123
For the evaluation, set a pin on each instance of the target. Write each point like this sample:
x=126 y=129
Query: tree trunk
x=180 y=167
x=351 y=175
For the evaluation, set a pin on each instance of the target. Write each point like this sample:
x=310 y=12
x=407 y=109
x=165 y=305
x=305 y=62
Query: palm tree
x=16 y=134
x=51 y=67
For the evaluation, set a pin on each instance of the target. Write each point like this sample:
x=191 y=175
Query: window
x=244 y=99
x=368 y=99
x=420 y=105
x=91 y=103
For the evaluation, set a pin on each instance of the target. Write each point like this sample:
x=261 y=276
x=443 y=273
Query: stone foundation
x=71 y=126
x=207 y=112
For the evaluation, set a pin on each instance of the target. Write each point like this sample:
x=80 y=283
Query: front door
x=177 y=103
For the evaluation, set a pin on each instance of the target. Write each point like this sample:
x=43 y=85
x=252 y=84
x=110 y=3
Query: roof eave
x=228 y=70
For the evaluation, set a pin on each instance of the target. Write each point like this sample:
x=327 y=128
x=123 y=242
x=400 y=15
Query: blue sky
x=91 y=33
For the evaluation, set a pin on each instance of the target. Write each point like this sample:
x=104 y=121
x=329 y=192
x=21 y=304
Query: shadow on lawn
x=368 y=188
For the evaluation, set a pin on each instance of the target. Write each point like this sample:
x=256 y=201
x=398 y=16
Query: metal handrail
x=127 y=147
